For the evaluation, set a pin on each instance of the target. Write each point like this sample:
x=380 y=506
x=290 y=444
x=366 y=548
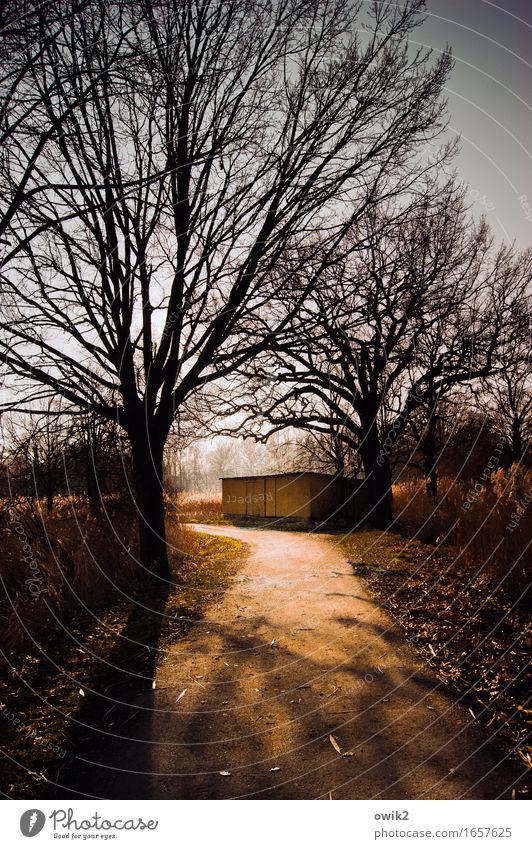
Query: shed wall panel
x=234 y=497
x=270 y=494
x=255 y=497
x=304 y=496
x=293 y=496
x=327 y=497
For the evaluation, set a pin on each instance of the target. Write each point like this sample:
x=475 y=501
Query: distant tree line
x=49 y=455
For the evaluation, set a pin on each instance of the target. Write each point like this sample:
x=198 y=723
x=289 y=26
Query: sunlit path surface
x=296 y=686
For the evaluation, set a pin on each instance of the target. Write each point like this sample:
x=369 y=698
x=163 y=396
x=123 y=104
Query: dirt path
x=294 y=652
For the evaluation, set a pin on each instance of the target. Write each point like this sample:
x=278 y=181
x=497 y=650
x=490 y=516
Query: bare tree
x=35 y=460
x=507 y=395
x=96 y=459
x=28 y=31
x=417 y=309
x=432 y=434
x=318 y=451
x=500 y=391
x=209 y=142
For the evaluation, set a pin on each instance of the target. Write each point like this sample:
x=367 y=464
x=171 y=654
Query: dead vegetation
x=477 y=641
x=54 y=565
x=205 y=507
x=486 y=522
x=86 y=628
x=458 y=579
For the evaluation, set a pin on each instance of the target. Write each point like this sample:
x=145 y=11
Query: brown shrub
x=485 y=520
x=55 y=567
x=59 y=565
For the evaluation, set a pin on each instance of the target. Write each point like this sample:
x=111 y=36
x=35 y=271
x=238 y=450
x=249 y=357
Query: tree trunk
x=431 y=485
x=428 y=449
x=93 y=489
x=517 y=442
x=378 y=479
x=149 y=497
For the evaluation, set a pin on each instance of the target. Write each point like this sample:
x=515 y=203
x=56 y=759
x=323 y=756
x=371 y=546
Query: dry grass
x=457 y=579
x=76 y=645
x=205 y=507
x=53 y=566
x=485 y=521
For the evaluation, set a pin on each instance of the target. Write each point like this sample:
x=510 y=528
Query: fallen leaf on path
x=180 y=696
x=334 y=744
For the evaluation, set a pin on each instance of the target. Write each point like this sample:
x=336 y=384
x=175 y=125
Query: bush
x=485 y=520
x=55 y=566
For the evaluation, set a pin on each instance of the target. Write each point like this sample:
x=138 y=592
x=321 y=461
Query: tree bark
x=92 y=488
x=431 y=484
x=149 y=497
x=517 y=442
x=378 y=479
x=428 y=447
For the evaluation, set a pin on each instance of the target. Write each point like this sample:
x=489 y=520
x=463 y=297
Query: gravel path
x=293 y=664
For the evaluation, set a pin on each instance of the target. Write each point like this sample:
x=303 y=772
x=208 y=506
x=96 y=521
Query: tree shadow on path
x=118 y=705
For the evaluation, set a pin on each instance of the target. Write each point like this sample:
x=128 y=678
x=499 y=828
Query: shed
x=297 y=495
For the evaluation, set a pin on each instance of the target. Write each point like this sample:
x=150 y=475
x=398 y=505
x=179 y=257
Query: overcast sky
x=490 y=101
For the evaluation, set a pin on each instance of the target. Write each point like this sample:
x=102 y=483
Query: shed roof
x=276 y=475
x=282 y=475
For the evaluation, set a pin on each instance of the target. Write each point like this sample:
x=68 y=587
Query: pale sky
x=490 y=102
